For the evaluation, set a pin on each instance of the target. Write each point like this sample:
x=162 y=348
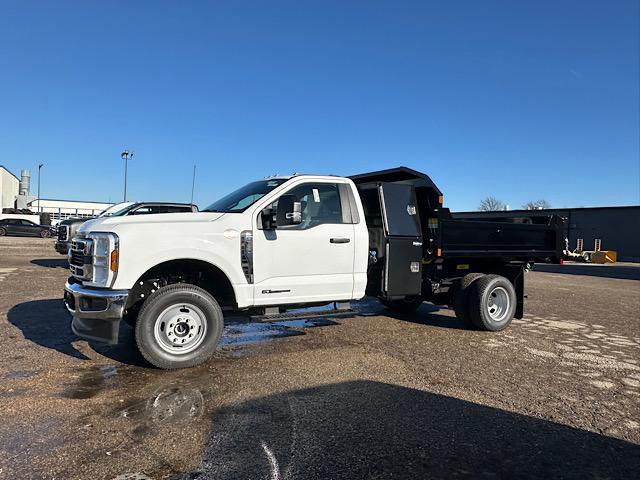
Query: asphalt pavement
x=371 y=396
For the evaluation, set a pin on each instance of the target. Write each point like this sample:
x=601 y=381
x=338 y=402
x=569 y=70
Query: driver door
x=307 y=262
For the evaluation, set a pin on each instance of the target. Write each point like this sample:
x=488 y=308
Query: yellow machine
x=597 y=255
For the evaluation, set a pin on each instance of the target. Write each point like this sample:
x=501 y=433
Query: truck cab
x=279 y=243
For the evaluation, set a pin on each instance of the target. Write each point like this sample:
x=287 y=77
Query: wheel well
x=196 y=272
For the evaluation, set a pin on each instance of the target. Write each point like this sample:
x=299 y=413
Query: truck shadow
x=368 y=429
x=47 y=323
x=624 y=272
x=428 y=314
x=51 y=262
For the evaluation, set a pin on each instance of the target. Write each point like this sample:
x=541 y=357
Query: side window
x=174 y=209
x=146 y=210
x=320 y=203
x=27 y=223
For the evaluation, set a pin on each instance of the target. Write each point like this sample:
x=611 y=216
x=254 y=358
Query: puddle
x=256 y=332
x=20 y=374
x=12 y=392
x=132 y=476
x=168 y=405
x=91 y=382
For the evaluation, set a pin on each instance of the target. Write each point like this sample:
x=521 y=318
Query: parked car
x=68 y=228
x=287 y=242
x=26 y=228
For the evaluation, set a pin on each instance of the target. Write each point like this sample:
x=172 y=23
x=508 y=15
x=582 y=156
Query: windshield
x=116 y=210
x=244 y=197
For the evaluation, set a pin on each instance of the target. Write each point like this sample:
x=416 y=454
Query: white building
x=15 y=193
x=9 y=184
x=61 y=209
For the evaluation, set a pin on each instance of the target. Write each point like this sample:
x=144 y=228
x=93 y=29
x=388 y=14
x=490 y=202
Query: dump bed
x=445 y=238
x=503 y=240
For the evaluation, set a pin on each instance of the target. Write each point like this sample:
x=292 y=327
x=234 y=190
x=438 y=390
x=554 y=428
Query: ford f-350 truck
x=288 y=242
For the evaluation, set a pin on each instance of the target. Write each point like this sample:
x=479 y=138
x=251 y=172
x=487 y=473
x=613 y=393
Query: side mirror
x=289 y=211
x=267 y=220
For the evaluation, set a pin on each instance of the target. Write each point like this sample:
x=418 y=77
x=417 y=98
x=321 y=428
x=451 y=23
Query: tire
x=406 y=305
x=461 y=294
x=166 y=320
x=3 y=232
x=492 y=303
x=45 y=233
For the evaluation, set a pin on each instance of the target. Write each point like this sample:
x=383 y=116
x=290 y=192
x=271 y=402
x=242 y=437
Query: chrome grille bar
x=80 y=258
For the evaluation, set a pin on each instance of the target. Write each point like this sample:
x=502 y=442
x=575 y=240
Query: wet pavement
x=365 y=396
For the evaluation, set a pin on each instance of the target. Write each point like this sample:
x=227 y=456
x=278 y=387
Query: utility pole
x=193 y=182
x=39 y=168
x=126 y=156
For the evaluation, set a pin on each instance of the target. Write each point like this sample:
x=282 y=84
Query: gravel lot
x=371 y=396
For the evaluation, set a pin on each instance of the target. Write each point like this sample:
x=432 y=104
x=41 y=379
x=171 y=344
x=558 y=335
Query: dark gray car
x=24 y=228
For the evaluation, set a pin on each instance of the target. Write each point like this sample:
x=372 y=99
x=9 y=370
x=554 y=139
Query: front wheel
x=492 y=302
x=178 y=326
x=45 y=233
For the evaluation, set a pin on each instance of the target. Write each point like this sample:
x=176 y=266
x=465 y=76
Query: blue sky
x=520 y=100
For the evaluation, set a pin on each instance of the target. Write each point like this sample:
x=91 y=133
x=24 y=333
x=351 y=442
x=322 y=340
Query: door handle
x=339 y=240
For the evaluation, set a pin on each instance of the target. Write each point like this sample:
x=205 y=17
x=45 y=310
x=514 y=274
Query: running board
x=278 y=317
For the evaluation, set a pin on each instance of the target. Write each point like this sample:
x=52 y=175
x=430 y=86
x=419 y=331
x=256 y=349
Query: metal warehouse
x=617 y=227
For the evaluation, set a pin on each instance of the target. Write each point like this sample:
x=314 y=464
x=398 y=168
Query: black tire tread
x=460 y=304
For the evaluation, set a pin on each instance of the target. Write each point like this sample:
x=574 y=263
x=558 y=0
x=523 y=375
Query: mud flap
x=97 y=329
x=516 y=276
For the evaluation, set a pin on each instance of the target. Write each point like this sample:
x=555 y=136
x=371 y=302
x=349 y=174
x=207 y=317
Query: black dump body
x=407 y=223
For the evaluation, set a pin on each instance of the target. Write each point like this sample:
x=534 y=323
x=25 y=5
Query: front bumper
x=62 y=247
x=96 y=313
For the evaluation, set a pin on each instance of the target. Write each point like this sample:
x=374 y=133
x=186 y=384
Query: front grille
x=80 y=259
x=63 y=233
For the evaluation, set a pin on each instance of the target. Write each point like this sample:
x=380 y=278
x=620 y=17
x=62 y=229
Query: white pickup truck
x=293 y=241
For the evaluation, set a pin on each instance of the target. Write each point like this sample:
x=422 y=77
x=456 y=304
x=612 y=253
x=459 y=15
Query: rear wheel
x=492 y=303
x=461 y=294
x=178 y=326
x=405 y=305
x=3 y=232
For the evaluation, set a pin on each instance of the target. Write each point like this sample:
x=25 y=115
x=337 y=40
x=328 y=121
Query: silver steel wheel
x=498 y=304
x=180 y=328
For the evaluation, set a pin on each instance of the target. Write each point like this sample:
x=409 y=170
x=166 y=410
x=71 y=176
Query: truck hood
x=108 y=224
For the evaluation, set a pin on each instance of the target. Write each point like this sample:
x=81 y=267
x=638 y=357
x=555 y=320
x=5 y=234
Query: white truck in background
x=294 y=241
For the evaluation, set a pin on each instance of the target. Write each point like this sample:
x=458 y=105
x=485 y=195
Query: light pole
x=126 y=156
x=193 y=182
x=39 y=168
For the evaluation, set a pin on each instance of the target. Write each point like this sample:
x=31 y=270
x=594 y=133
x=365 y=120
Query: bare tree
x=537 y=205
x=491 y=204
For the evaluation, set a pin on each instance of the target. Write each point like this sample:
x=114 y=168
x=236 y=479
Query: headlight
x=105 y=258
